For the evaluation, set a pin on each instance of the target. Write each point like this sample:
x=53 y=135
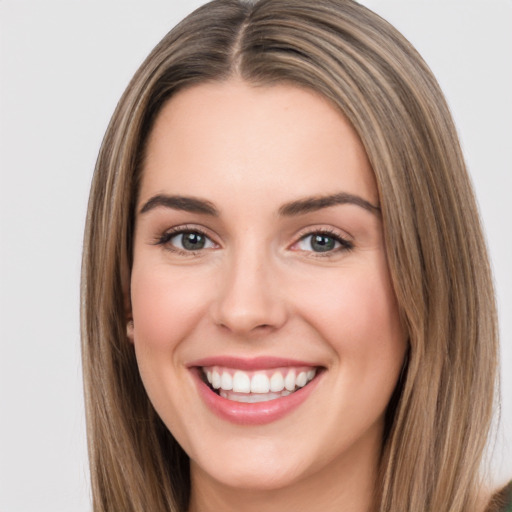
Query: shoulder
x=501 y=501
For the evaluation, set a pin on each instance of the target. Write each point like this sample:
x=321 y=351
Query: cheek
x=166 y=305
x=356 y=312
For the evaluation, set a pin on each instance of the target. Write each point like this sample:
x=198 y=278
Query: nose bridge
x=248 y=299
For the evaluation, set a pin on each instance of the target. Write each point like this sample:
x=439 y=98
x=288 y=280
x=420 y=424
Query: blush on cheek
x=150 y=316
x=359 y=314
x=165 y=306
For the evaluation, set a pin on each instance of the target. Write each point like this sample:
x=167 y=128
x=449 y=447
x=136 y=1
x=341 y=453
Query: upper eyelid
x=177 y=230
x=343 y=238
x=331 y=231
x=164 y=239
x=188 y=228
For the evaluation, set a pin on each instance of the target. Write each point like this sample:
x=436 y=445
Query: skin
x=258 y=288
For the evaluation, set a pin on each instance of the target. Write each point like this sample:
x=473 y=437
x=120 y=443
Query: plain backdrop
x=63 y=66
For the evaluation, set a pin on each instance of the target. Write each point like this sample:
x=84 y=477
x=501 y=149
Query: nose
x=249 y=300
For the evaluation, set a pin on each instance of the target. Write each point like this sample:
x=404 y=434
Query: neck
x=343 y=485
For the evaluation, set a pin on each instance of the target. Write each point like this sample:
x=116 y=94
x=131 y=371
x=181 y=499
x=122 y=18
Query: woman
x=287 y=302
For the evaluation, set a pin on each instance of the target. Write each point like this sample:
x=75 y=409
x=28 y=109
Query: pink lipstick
x=254 y=391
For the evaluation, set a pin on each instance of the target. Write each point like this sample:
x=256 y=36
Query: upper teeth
x=263 y=381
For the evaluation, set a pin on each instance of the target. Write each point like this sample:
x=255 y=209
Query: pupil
x=322 y=243
x=193 y=241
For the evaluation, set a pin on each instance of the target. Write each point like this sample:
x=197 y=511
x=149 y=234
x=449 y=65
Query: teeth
x=268 y=383
x=301 y=379
x=226 y=381
x=260 y=383
x=276 y=382
x=289 y=381
x=216 y=380
x=241 y=382
x=252 y=398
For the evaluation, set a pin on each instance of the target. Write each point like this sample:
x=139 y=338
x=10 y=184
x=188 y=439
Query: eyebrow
x=184 y=203
x=293 y=208
x=311 y=204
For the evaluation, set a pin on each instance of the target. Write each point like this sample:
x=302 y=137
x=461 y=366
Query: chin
x=257 y=475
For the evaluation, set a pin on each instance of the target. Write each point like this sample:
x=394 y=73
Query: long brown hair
x=439 y=419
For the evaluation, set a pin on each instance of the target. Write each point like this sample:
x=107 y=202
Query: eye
x=186 y=241
x=322 y=242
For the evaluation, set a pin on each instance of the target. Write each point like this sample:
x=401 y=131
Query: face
x=265 y=325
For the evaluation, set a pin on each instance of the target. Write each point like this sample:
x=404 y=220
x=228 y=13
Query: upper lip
x=250 y=364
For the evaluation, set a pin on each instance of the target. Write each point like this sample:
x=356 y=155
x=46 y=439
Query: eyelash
x=166 y=237
x=344 y=244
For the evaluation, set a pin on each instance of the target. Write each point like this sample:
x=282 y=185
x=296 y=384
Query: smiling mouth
x=256 y=386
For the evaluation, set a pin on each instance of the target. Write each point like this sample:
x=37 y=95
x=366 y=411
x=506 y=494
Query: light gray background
x=63 y=66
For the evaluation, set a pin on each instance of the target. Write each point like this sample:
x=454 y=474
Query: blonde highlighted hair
x=439 y=418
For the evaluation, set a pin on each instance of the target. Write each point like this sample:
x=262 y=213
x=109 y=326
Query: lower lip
x=258 y=413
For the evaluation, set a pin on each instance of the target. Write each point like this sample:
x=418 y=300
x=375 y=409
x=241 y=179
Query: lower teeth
x=252 y=398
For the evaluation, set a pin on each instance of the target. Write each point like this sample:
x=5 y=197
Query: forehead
x=249 y=139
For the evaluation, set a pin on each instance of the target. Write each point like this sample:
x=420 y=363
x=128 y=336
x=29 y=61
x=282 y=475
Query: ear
x=128 y=314
x=129 y=330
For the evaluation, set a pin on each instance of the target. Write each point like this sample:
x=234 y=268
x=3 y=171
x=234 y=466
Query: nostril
x=248 y=331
